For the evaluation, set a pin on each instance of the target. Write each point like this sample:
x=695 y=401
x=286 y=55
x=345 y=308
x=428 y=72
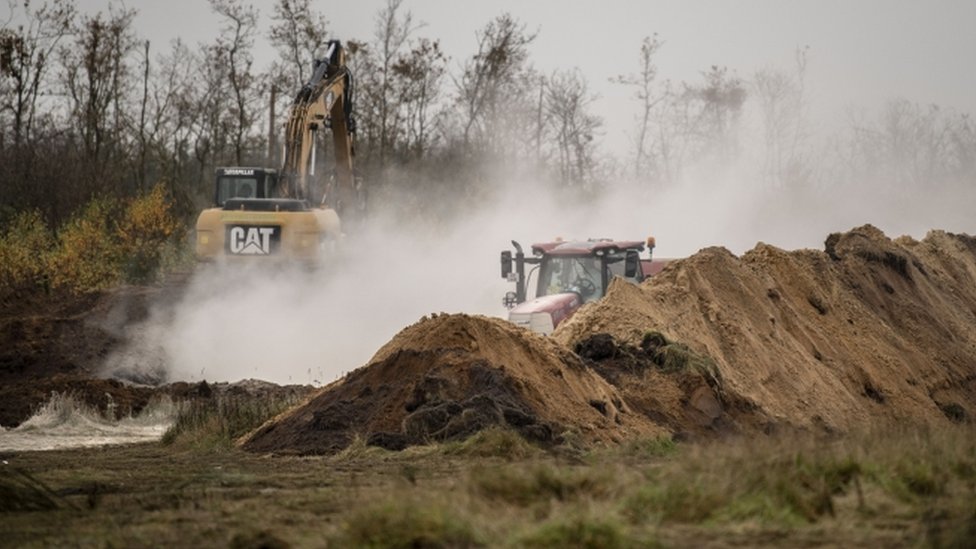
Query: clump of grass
x=220 y=420
x=762 y=483
x=649 y=448
x=672 y=356
x=406 y=524
x=359 y=450
x=540 y=484
x=582 y=532
x=679 y=499
x=494 y=442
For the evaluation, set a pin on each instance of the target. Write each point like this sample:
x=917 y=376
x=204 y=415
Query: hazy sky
x=861 y=54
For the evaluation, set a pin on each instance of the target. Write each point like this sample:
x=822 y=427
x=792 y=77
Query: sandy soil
x=868 y=331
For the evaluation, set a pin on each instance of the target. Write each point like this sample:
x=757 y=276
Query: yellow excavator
x=261 y=212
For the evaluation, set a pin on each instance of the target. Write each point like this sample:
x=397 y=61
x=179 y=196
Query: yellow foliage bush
x=87 y=256
x=146 y=232
x=108 y=242
x=25 y=246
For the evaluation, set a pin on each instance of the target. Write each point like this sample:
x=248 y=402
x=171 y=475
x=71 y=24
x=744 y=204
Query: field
x=889 y=489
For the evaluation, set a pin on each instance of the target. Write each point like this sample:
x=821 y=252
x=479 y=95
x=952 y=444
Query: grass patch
x=582 y=532
x=494 y=442
x=883 y=489
x=406 y=524
x=649 y=448
x=541 y=483
x=218 y=421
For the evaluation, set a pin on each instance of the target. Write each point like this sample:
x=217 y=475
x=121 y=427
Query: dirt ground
x=868 y=331
x=57 y=343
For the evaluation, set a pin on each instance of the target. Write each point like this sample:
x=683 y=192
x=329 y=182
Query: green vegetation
x=885 y=489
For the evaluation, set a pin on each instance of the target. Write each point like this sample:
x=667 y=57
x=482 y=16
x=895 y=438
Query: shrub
x=145 y=231
x=87 y=257
x=25 y=247
x=104 y=244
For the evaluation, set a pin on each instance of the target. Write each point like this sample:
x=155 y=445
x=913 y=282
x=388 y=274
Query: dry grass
x=884 y=489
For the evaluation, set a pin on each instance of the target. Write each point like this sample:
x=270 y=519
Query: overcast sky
x=861 y=52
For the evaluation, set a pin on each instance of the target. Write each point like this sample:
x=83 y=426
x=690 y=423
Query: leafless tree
x=493 y=89
x=298 y=33
x=418 y=76
x=911 y=146
x=390 y=35
x=234 y=50
x=567 y=102
x=782 y=103
x=26 y=56
x=97 y=72
x=649 y=96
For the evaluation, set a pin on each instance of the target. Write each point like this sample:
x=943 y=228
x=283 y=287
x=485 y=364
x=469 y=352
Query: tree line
x=88 y=108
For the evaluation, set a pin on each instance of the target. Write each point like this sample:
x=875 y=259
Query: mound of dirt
x=448 y=376
x=871 y=330
x=672 y=385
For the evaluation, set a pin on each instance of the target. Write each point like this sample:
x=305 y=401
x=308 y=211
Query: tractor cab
x=570 y=274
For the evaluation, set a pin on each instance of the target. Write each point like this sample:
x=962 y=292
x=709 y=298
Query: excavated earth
x=868 y=332
x=57 y=342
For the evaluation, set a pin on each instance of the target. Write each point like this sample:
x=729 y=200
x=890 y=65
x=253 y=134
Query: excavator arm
x=325 y=101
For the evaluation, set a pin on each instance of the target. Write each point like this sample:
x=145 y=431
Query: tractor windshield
x=580 y=274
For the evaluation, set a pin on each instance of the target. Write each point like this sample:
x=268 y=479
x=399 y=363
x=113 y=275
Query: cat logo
x=250 y=240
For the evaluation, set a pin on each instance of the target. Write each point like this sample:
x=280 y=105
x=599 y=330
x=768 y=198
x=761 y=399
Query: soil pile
x=869 y=330
x=445 y=378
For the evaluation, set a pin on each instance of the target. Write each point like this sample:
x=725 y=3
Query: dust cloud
x=292 y=326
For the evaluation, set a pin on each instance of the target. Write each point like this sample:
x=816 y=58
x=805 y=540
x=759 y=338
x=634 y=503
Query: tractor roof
x=586 y=247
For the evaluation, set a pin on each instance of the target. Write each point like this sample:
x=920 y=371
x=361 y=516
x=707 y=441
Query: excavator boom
x=261 y=212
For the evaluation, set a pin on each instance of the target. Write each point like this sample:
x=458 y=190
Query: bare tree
x=418 y=75
x=390 y=34
x=911 y=146
x=26 y=54
x=782 y=103
x=493 y=90
x=298 y=33
x=646 y=92
x=234 y=50
x=567 y=102
x=97 y=82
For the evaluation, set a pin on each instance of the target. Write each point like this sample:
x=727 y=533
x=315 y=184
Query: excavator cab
x=244 y=183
